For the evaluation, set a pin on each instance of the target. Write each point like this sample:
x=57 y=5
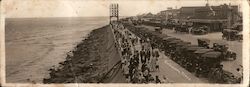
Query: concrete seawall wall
x=89 y=61
x=113 y=53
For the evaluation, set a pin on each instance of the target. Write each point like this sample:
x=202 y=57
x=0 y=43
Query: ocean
x=34 y=45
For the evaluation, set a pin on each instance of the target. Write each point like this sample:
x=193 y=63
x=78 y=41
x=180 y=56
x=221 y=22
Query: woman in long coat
x=153 y=63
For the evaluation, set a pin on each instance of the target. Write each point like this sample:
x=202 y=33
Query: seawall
x=90 y=60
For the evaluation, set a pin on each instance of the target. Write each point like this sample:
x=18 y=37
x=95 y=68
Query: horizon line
x=64 y=17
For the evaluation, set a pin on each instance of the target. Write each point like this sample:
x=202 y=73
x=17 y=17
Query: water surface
x=33 y=45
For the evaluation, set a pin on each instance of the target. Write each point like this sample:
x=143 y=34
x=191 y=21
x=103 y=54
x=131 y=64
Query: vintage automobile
x=239 y=36
x=169 y=24
x=237 y=26
x=182 y=53
x=200 y=30
x=203 y=42
x=182 y=44
x=220 y=46
x=160 y=36
x=182 y=58
x=218 y=75
x=207 y=62
x=158 y=29
x=158 y=40
x=179 y=51
x=198 y=53
x=229 y=55
x=190 y=57
x=172 y=47
x=165 y=43
x=223 y=48
x=230 y=34
x=182 y=28
x=168 y=42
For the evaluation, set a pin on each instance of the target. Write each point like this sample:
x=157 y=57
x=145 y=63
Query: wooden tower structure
x=114 y=12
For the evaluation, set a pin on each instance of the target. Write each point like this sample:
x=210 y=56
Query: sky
x=92 y=8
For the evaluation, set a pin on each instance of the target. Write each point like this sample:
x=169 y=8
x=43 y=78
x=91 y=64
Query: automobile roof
x=200 y=51
x=169 y=38
x=161 y=35
x=189 y=45
x=193 y=48
x=213 y=54
x=183 y=43
x=176 y=41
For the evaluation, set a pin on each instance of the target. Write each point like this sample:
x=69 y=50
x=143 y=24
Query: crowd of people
x=139 y=59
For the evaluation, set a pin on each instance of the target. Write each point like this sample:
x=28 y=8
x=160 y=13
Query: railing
x=111 y=72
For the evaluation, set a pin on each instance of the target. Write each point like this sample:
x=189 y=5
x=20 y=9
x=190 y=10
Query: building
x=187 y=12
x=215 y=17
x=169 y=13
x=207 y=12
x=146 y=17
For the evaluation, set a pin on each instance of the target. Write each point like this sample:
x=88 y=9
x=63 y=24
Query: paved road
x=234 y=46
x=169 y=69
x=175 y=73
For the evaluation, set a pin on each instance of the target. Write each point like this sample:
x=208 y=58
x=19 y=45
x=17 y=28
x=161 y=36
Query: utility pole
x=229 y=17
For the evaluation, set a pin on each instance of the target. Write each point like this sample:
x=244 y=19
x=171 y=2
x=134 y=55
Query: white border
x=245 y=7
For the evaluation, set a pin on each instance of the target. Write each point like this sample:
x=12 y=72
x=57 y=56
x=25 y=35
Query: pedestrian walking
x=148 y=54
x=150 y=78
x=157 y=66
x=164 y=80
x=146 y=75
x=157 y=80
x=153 y=64
x=123 y=62
x=157 y=55
x=142 y=54
x=126 y=70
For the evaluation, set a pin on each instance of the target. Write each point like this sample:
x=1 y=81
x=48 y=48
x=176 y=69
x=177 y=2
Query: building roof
x=200 y=51
x=212 y=54
x=170 y=10
x=193 y=48
x=206 y=12
x=205 y=7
